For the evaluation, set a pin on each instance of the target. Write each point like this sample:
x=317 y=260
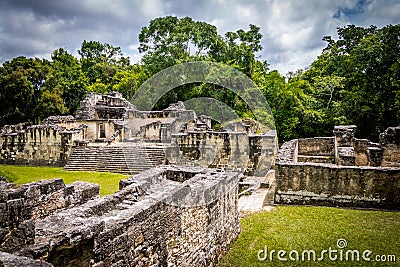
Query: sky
x=292 y=29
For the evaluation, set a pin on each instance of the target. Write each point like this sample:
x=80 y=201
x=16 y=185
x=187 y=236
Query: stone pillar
x=389 y=141
x=344 y=139
x=375 y=156
x=361 y=151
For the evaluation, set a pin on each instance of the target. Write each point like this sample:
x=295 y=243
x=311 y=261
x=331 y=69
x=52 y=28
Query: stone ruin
x=179 y=209
x=157 y=218
x=340 y=170
x=109 y=134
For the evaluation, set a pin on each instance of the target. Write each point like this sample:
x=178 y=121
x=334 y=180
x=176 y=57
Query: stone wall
x=11 y=260
x=99 y=106
x=235 y=151
x=151 y=126
x=318 y=150
x=340 y=171
x=390 y=139
x=166 y=216
x=21 y=206
x=38 y=145
x=333 y=185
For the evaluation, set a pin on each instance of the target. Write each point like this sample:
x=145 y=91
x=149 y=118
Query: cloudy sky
x=292 y=29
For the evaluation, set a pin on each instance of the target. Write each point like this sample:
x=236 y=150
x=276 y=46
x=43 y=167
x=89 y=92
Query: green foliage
x=22 y=82
x=364 y=62
x=127 y=80
x=68 y=75
x=169 y=40
x=50 y=103
x=355 y=80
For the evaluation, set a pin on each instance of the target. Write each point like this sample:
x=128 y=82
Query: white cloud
x=292 y=29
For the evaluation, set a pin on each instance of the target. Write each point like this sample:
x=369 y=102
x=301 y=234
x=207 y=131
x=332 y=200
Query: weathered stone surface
x=390 y=136
x=344 y=135
x=307 y=179
x=345 y=156
x=108 y=122
x=176 y=106
x=10 y=260
x=233 y=151
x=21 y=206
x=99 y=106
x=319 y=146
x=333 y=185
x=143 y=225
x=45 y=144
x=288 y=151
x=390 y=141
x=361 y=152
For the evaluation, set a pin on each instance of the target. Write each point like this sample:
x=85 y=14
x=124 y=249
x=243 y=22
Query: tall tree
x=100 y=62
x=170 y=40
x=67 y=76
x=366 y=61
x=22 y=81
x=167 y=41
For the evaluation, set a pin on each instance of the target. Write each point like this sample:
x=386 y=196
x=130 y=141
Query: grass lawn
x=315 y=228
x=25 y=174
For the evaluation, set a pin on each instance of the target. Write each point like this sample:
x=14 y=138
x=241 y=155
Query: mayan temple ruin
x=180 y=206
x=340 y=170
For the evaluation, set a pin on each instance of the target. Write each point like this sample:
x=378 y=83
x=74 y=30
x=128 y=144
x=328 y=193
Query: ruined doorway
x=102 y=130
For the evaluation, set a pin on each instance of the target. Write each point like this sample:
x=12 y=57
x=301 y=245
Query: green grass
x=25 y=174
x=315 y=228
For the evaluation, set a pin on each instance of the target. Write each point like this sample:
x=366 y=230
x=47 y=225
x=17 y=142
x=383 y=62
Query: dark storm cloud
x=292 y=29
x=36 y=28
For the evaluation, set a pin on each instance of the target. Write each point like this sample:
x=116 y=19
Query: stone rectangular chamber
x=340 y=170
x=165 y=216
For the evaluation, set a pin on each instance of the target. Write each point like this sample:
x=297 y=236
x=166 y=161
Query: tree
x=170 y=40
x=167 y=41
x=51 y=103
x=68 y=78
x=238 y=49
x=100 y=61
x=294 y=106
x=128 y=80
x=22 y=81
x=366 y=62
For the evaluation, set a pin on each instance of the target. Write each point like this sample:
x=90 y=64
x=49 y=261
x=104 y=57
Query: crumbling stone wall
x=11 y=260
x=108 y=120
x=155 y=126
x=100 y=106
x=38 y=145
x=390 y=140
x=237 y=151
x=318 y=150
x=334 y=185
x=155 y=219
x=374 y=182
x=21 y=206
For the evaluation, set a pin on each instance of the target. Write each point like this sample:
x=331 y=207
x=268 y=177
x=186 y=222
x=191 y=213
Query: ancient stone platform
x=165 y=216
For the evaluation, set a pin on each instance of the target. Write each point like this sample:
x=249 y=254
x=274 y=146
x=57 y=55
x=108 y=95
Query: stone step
x=115 y=159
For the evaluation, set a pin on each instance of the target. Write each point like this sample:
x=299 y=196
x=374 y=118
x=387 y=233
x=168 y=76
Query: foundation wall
x=38 y=146
x=332 y=185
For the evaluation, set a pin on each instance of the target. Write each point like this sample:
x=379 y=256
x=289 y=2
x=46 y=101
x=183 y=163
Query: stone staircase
x=119 y=159
x=256 y=193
